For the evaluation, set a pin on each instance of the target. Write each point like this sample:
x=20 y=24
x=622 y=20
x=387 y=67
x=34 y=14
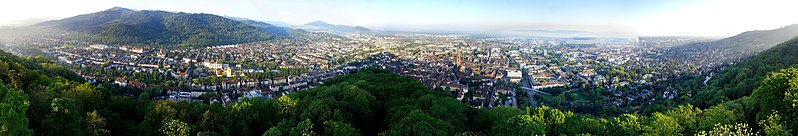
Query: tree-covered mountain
x=319 y=26
x=125 y=26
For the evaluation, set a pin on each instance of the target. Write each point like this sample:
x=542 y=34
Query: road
x=526 y=84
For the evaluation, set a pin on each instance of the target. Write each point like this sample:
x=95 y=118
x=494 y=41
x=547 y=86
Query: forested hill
x=743 y=77
x=125 y=26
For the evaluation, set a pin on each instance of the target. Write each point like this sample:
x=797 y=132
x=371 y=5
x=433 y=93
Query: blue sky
x=644 y=17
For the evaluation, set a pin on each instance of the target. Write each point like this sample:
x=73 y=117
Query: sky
x=638 y=17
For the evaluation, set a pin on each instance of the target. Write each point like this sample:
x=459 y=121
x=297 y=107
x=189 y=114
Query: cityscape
x=122 y=71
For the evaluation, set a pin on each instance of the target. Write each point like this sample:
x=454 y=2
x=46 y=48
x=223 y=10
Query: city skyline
x=646 y=18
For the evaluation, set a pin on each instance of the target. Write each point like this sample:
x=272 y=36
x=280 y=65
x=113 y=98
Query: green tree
x=487 y=118
x=153 y=119
x=687 y=116
x=738 y=129
x=63 y=119
x=519 y=125
x=287 y=105
x=771 y=93
x=95 y=124
x=626 y=124
x=663 y=125
x=333 y=128
x=173 y=127
x=274 y=131
x=284 y=127
x=243 y=115
x=773 y=126
x=716 y=115
x=13 y=103
x=418 y=123
x=86 y=96
x=304 y=128
x=554 y=119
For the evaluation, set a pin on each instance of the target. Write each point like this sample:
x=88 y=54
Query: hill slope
x=741 y=78
x=749 y=41
x=125 y=26
x=759 y=40
x=731 y=49
x=319 y=26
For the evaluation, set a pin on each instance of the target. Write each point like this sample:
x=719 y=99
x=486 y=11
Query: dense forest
x=125 y=26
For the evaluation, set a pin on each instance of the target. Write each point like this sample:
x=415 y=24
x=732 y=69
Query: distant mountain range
x=319 y=26
x=125 y=26
x=285 y=32
x=121 y=25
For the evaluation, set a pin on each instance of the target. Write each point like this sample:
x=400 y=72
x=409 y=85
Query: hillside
x=759 y=40
x=748 y=42
x=761 y=90
x=319 y=26
x=125 y=26
x=742 y=78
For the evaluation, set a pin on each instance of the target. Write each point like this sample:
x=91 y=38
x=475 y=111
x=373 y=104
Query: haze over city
x=650 y=18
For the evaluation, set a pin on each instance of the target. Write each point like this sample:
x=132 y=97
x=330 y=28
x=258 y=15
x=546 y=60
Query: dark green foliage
x=519 y=125
x=63 y=119
x=12 y=118
x=624 y=125
x=333 y=128
x=485 y=119
x=418 y=123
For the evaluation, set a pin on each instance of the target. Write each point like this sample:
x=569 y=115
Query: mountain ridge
x=125 y=26
x=320 y=26
x=766 y=38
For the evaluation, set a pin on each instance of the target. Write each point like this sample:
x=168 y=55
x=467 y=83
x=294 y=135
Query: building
x=515 y=75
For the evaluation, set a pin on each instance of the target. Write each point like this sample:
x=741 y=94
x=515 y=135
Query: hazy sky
x=644 y=17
